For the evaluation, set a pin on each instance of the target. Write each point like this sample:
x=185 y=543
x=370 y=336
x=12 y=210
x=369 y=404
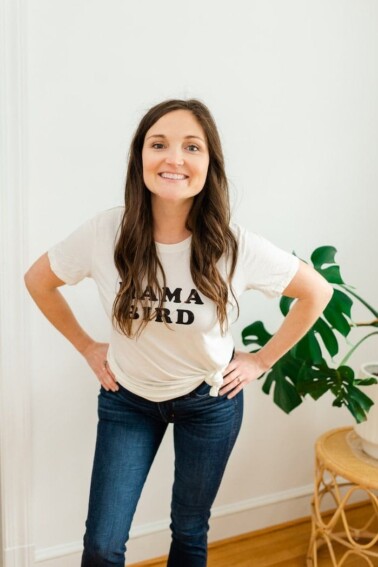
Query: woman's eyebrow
x=185 y=137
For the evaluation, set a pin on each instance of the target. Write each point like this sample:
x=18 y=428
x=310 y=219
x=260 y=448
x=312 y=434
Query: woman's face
x=175 y=157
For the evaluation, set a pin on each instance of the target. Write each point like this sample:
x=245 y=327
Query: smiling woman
x=170 y=267
x=175 y=160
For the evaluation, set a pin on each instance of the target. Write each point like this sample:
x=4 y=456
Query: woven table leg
x=324 y=531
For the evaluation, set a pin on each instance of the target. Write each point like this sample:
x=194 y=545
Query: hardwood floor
x=279 y=546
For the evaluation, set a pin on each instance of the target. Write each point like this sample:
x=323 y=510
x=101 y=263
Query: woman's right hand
x=95 y=354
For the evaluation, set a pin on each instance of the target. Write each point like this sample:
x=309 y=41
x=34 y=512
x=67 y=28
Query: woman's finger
x=236 y=390
x=231 y=385
x=107 y=367
x=109 y=384
x=232 y=365
x=230 y=376
x=108 y=380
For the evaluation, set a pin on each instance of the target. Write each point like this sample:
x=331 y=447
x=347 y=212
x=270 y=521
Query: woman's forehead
x=178 y=123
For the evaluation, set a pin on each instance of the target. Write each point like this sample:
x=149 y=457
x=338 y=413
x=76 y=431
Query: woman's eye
x=159 y=146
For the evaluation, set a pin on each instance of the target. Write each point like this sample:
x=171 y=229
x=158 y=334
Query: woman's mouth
x=173 y=176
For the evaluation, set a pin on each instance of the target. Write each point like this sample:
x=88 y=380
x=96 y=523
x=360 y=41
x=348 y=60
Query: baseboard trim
x=235 y=509
x=260 y=501
x=58 y=551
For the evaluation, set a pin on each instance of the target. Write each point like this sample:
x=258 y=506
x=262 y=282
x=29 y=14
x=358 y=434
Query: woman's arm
x=313 y=293
x=42 y=285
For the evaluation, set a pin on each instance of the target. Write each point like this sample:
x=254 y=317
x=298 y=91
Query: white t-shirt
x=164 y=363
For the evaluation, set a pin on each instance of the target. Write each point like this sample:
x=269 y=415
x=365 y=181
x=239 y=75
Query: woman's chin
x=174 y=199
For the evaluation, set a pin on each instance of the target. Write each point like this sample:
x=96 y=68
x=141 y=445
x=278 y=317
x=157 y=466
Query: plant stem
x=375 y=313
x=349 y=354
x=373 y=323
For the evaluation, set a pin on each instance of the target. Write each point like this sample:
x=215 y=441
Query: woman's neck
x=170 y=221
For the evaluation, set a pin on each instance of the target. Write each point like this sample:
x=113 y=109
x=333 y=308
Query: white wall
x=293 y=87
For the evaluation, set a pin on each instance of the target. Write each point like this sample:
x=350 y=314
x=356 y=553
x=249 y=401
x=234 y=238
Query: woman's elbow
x=32 y=281
x=326 y=293
x=28 y=278
x=39 y=277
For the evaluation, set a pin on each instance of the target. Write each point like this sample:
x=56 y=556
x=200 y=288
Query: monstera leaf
x=303 y=370
x=283 y=374
x=336 y=316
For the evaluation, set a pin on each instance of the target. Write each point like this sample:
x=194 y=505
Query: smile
x=176 y=176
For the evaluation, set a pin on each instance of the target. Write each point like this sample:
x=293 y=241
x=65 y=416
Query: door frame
x=15 y=384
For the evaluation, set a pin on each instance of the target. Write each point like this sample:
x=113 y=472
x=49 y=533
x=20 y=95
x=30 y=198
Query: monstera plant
x=304 y=370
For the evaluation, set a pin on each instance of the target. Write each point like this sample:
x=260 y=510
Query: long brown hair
x=135 y=253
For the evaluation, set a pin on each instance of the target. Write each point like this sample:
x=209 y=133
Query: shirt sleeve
x=266 y=267
x=71 y=259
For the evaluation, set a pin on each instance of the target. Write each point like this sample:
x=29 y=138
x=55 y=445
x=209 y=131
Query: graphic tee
x=165 y=362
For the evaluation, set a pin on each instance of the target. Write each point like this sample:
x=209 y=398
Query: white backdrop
x=293 y=87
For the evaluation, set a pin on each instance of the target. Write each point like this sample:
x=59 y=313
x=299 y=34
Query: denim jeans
x=130 y=430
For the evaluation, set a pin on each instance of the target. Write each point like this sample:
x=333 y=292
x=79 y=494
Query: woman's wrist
x=85 y=345
x=262 y=361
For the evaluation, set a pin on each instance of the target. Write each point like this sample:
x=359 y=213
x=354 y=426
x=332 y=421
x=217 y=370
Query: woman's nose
x=175 y=158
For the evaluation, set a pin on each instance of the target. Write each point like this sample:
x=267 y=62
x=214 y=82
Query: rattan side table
x=342 y=469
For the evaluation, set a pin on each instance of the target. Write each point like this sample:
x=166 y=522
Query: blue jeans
x=130 y=430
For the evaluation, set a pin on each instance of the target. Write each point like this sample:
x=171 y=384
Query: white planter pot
x=368 y=430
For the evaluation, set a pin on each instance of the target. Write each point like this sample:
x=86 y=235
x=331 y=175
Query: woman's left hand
x=243 y=369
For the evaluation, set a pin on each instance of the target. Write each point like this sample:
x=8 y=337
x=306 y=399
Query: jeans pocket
x=202 y=391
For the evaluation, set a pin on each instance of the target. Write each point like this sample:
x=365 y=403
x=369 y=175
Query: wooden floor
x=284 y=546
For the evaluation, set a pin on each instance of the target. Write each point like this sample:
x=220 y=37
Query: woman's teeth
x=172 y=175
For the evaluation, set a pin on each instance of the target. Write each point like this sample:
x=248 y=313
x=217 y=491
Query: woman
x=170 y=267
